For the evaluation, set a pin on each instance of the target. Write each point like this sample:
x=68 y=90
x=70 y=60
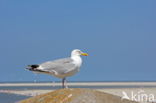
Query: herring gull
x=60 y=68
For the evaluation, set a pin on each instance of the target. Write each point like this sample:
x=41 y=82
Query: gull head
x=77 y=52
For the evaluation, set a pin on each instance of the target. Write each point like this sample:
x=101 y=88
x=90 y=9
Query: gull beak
x=84 y=54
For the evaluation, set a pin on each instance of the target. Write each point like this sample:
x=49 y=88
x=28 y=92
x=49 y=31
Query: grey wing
x=59 y=66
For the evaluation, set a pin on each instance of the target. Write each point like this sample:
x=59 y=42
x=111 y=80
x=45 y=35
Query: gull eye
x=79 y=52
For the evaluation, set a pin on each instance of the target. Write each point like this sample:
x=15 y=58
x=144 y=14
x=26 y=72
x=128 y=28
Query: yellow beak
x=84 y=54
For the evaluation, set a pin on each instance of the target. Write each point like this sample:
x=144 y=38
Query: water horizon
x=68 y=81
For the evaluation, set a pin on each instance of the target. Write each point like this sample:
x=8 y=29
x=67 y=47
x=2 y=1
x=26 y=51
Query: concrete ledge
x=76 y=95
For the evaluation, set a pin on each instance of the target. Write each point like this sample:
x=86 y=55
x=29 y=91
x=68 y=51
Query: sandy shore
x=114 y=91
x=84 y=84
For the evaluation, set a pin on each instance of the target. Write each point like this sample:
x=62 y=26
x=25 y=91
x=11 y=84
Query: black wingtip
x=32 y=67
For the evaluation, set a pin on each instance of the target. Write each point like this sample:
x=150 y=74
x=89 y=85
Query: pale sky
x=119 y=35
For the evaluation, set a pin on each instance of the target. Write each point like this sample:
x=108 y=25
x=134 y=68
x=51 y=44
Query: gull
x=60 y=68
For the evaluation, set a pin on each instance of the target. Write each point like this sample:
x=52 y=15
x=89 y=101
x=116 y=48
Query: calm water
x=11 y=98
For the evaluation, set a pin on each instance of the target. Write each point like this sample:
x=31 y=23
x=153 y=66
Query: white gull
x=61 y=68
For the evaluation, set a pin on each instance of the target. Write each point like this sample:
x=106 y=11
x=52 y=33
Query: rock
x=76 y=95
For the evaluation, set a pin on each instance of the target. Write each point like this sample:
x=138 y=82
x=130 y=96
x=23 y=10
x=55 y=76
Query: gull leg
x=63 y=81
x=66 y=86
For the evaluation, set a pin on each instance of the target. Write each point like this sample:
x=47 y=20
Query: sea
x=13 y=98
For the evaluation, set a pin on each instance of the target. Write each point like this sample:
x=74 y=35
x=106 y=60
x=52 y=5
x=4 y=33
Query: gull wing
x=59 y=66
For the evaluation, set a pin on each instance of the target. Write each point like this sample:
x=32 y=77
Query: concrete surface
x=76 y=95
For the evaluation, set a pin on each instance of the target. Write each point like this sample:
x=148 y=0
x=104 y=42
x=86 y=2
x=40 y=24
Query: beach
x=83 y=84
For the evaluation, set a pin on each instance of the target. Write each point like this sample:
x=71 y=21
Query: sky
x=118 y=35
